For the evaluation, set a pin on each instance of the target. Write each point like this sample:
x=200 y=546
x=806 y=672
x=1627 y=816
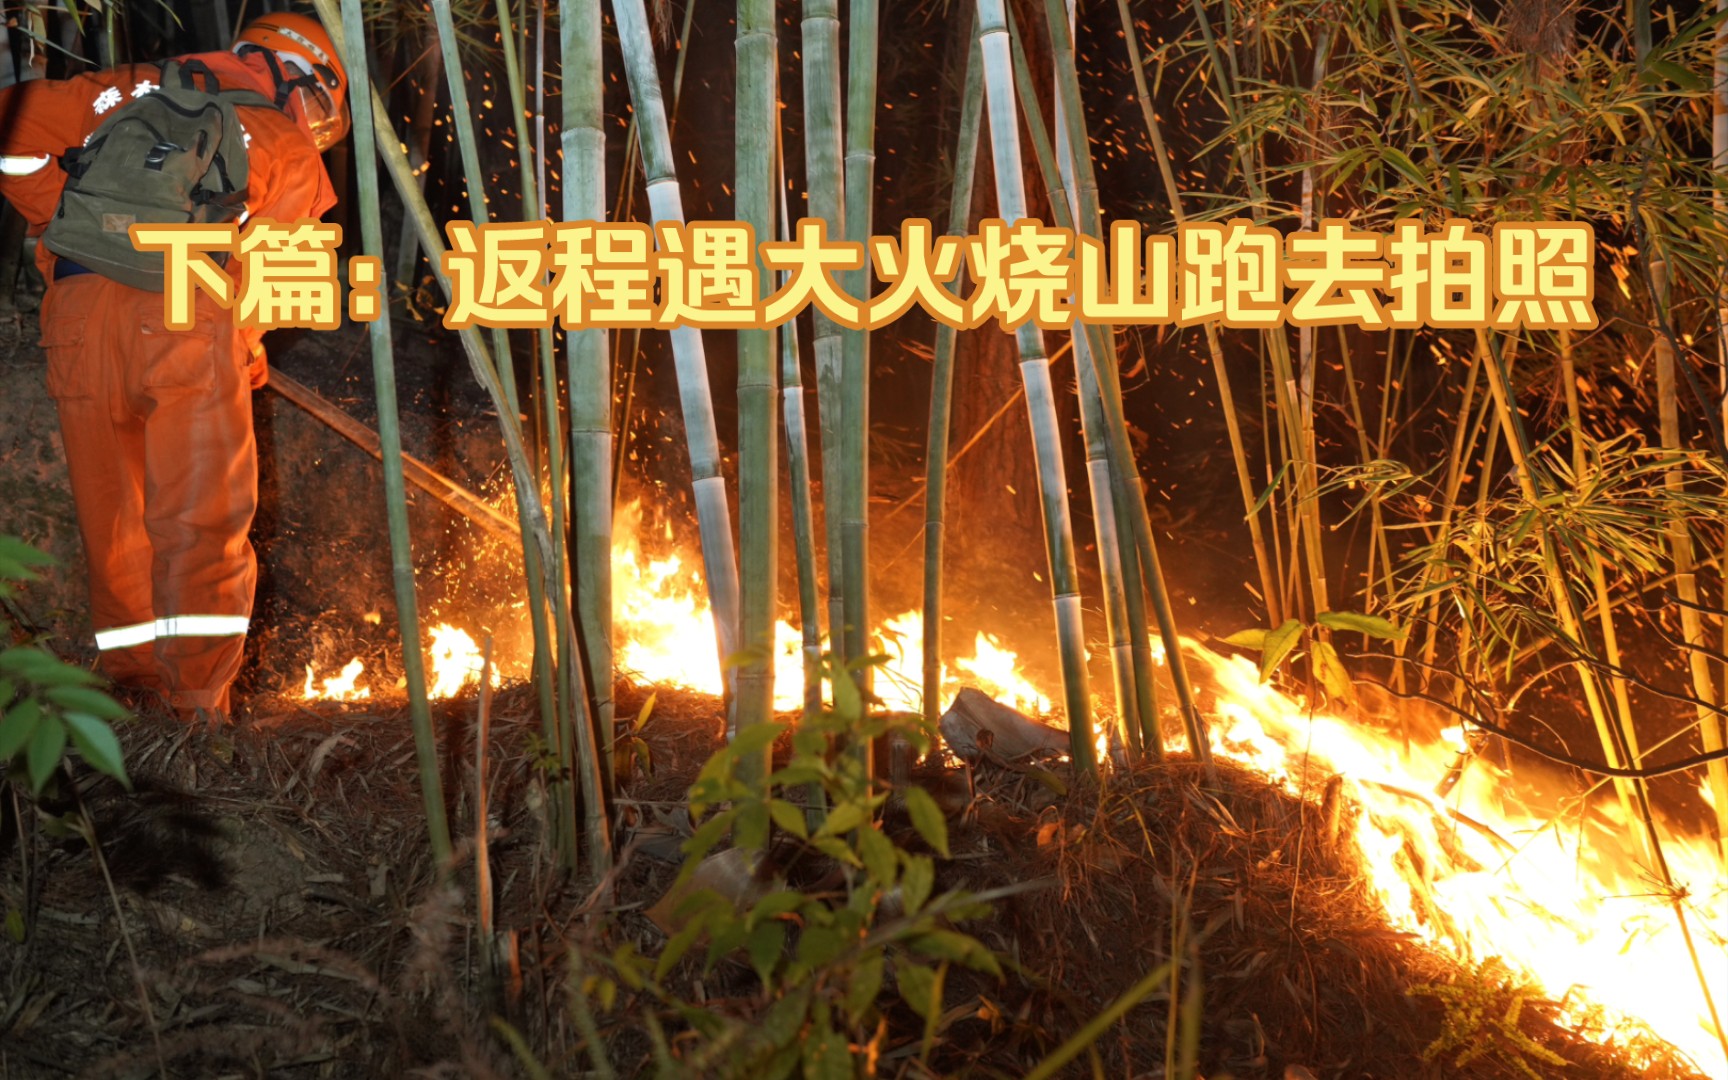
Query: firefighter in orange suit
x=158 y=423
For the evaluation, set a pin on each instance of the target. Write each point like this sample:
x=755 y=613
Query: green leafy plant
x=46 y=703
x=630 y=751
x=1482 y=1012
x=822 y=954
x=1279 y=644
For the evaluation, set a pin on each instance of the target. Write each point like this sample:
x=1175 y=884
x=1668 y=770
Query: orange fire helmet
x=320 y=84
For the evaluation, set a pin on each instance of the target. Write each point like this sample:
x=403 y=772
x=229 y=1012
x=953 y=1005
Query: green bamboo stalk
x=1617 y=732
x=860 y=191
x=583 y=147
x=536 y=533
x=798 y=470
x=701 y=435
x=474 y=180
x=1139 y=634
x=942 y=386
x=1377 y=544
x=1107 y=531
x=1297 y=428
x=1464 y=436
x=1382 y=443
x=1679 y=531
x=1128 y=494
x=419 y=141
x=1226 y=398
x=1719 y=203
x=551 y=449
x=995 y=47
x=626 y=200
x=1131 y=500
x=824 y=176
x=1618 y=744
x=390 y=439
x=552 y=705
x=756 y=108
x=1307 y=364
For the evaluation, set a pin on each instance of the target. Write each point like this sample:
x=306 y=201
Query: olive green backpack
x=174 y=155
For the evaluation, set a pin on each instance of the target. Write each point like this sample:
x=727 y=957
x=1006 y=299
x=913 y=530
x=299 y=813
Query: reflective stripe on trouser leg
x=202 y=626
x=201 y=490
x=122 y=637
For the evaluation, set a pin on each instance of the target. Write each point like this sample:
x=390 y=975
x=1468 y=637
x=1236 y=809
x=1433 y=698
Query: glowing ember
x=339 y=687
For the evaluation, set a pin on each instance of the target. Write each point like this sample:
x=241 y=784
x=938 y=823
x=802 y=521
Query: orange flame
x=456 y=662
x=1500 y=866
x=1547 y=884
x=339 y=687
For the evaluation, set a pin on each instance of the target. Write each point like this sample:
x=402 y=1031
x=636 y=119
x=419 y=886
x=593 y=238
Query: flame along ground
x=1521 y=867
x=454 y=662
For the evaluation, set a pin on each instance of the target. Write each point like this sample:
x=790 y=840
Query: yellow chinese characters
x=188 y=264
x=497 y=274
x=1542 y=274
x=710 y=274
x=271 y=274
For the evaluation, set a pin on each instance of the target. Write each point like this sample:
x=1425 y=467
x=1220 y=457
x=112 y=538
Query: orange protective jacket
x=157 y=423
x=41 y=118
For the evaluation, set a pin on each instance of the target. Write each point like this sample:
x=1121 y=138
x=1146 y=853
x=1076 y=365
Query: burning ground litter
x=1524 y=868
x=278 y=925
x=1349 y=904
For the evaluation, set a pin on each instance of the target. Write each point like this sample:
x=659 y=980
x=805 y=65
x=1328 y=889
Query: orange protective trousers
x=164 y=469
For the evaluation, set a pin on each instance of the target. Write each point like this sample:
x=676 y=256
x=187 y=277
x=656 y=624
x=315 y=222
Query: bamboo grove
x=1498 y=495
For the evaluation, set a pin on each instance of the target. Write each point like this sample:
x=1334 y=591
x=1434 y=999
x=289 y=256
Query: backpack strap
x=285 y=86
x=189 y=70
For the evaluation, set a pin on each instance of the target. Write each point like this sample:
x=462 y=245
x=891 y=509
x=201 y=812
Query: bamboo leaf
x=877 y=851
x=1266 y=495
x=1252 y=638
x=917 y=986
x=916 y=882
x=750 y=829
x=864 y=986
x=1401 y=162
x=927 y=819
x=1278 y=646
x=827 y=1055
x=1372 y=625
x=17 y=726
x=848 y=705
x=1329 y=670
x=789 y=817
x=1680 y=76
x=88 y=700
x=97 y=745
x=844 y=818
x=959 y=948
x=677 y=947
x=646 y=711
x=767 y=940
x=47 y=745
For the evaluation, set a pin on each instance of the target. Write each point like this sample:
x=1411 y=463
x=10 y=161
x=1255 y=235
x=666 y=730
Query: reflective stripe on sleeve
x=22 y=166
x=120 y=637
